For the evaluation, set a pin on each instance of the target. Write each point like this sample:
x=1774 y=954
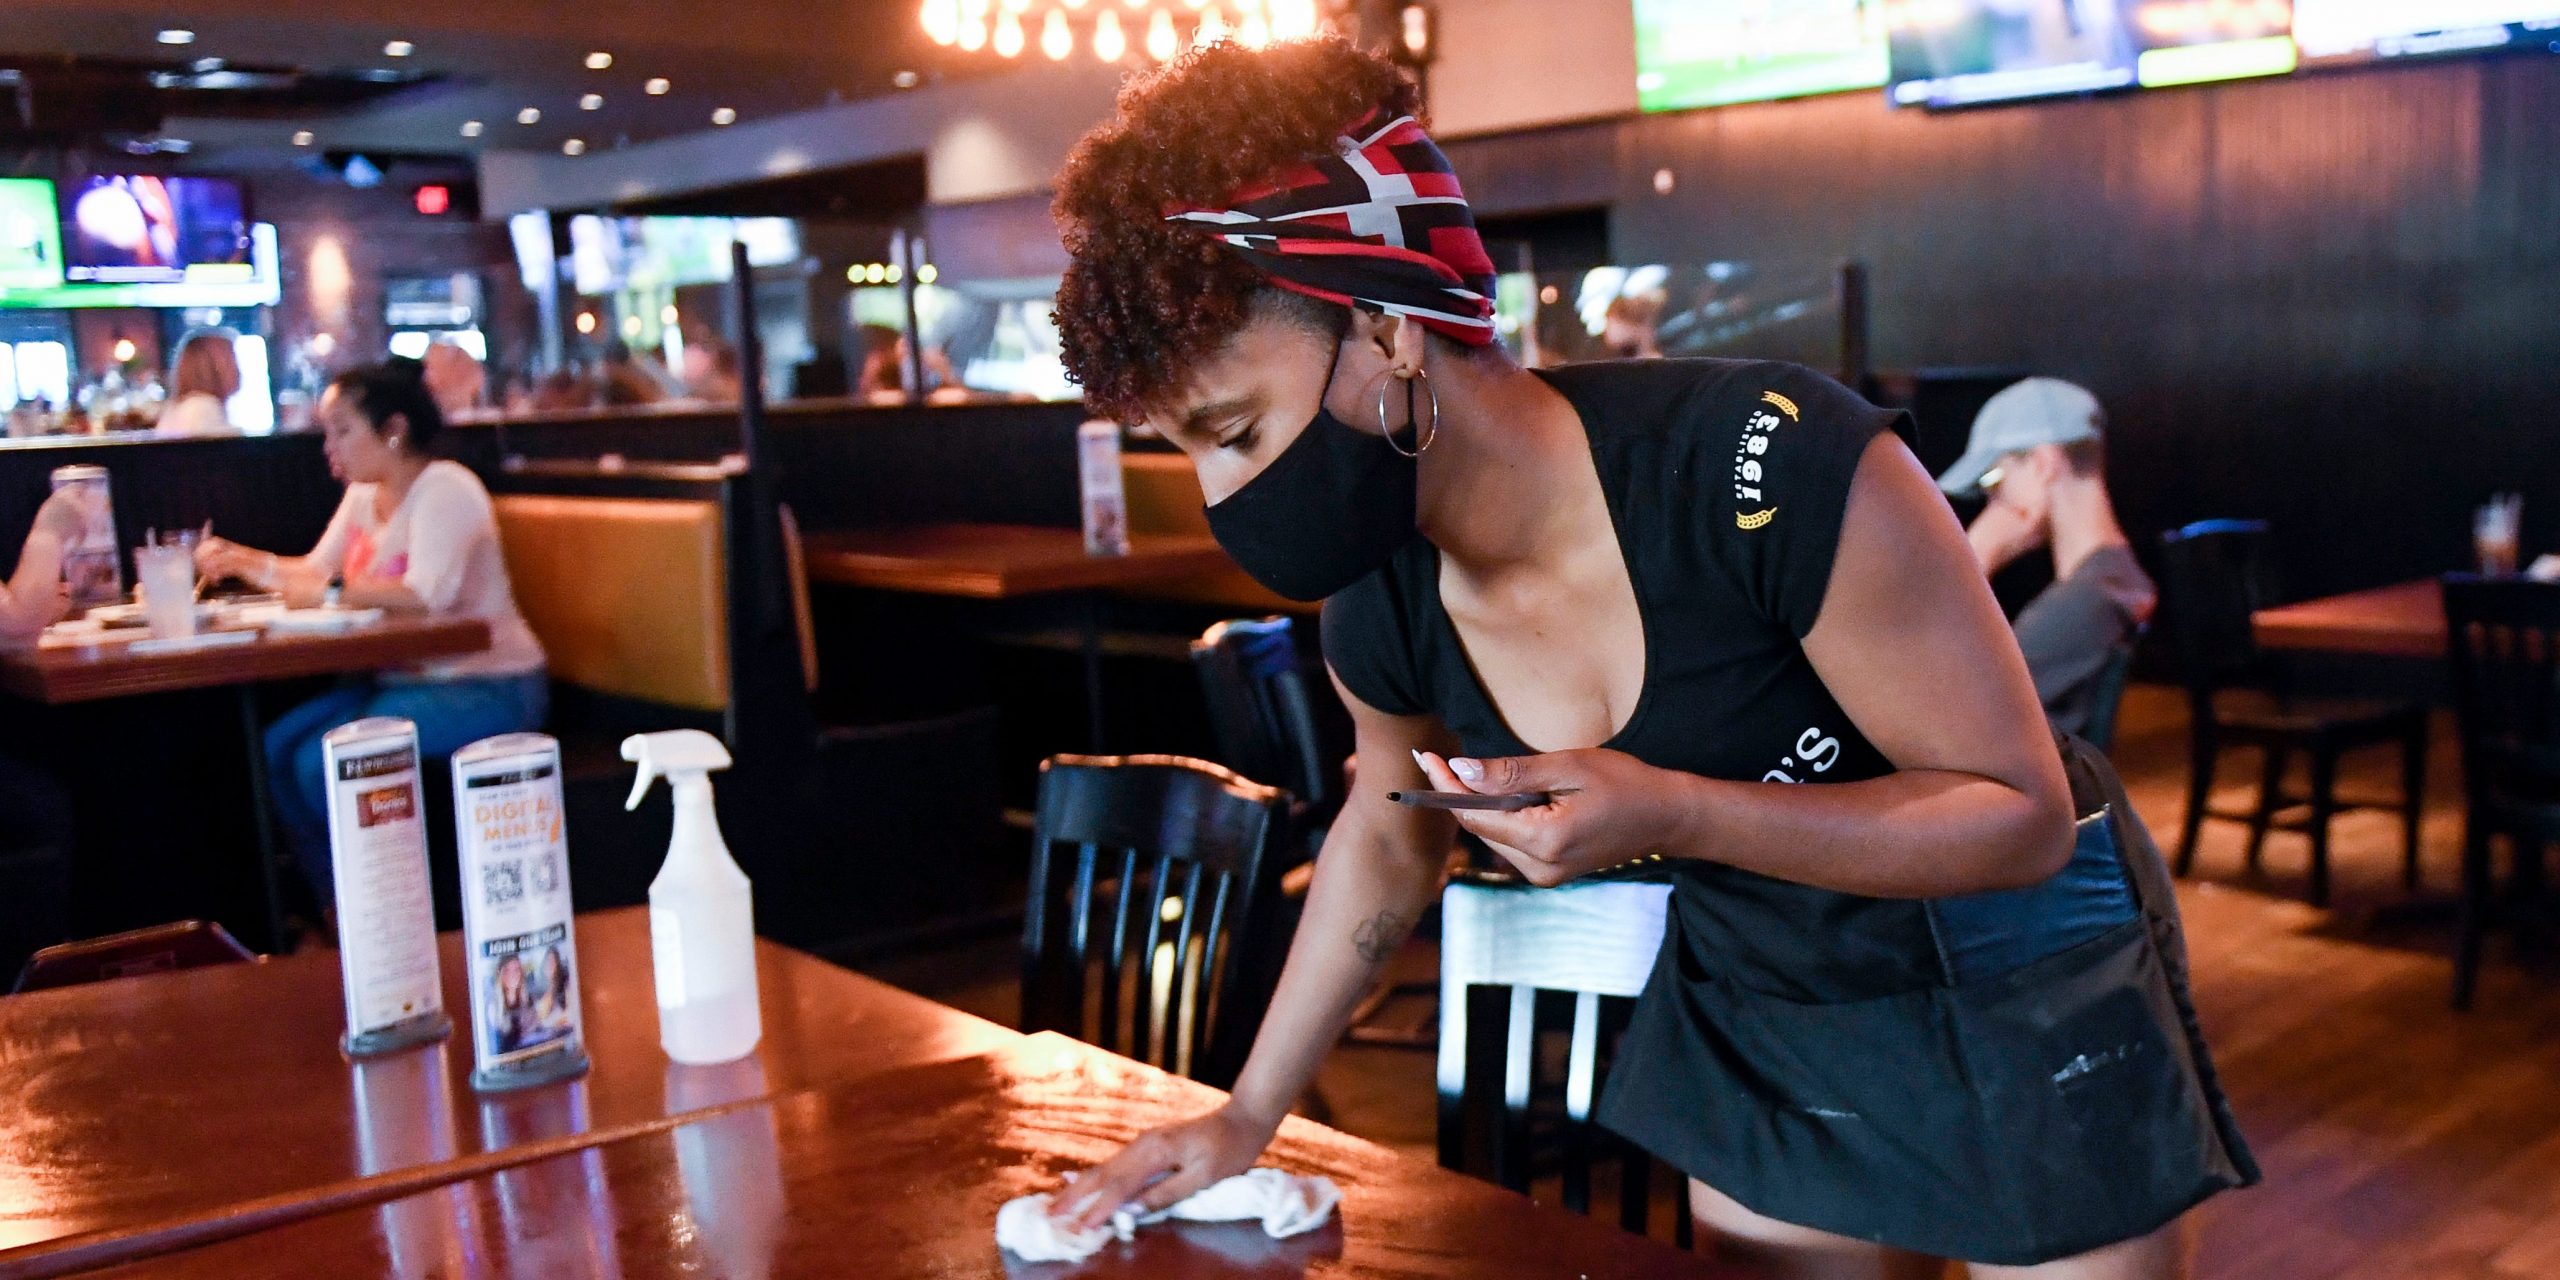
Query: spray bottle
x=702 y=928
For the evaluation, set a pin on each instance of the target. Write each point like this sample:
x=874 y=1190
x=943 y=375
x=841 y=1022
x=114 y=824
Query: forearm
x=376 y=593
x=1369 y=889
x=27 y=603
x=1917 y=833
x=1994 y=546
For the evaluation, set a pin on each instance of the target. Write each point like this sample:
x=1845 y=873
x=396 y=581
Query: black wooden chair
x=1148 y=929
x=2215 y=575
x=1269 y=726
x=1521 y=968
x=1264 y=717
x=162 y=948
x=2505 y=651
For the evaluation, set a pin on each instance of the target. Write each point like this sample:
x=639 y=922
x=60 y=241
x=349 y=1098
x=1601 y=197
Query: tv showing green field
x=1711 y=53
x=30 y=235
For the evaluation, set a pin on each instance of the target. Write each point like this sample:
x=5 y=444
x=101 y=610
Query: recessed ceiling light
x=302 y=137
x=724 y=115
x=471 y=128
x=177 y=35
x=530 y=115
x=574 y=147
x=398 y=49
x=905 y=79
x=657 y=85
x=599 y=60
x=591 y=102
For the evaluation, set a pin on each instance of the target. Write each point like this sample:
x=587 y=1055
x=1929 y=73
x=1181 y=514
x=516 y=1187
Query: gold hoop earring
x=1422 y=437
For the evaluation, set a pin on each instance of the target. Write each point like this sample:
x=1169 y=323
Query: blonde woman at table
x=413 y=535
x=1706 y=611
x=205 y=377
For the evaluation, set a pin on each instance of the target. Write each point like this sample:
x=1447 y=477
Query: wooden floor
x=2401 y=1141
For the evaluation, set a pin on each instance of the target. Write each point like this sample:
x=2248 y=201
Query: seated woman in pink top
x=413 y=535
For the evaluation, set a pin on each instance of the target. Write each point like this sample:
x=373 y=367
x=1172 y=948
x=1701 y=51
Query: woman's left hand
x=1609 y=808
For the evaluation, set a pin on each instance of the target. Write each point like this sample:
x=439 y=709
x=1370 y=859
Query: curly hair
x=1144 y=299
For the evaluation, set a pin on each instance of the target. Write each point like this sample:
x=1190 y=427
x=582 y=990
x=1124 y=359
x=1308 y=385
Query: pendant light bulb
x=942 y=20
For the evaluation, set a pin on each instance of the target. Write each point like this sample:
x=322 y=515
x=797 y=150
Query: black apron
x=1808 y=1053
x=2048 y=1111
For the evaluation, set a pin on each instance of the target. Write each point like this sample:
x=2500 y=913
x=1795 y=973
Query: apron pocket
x=2088 y=1099
x=1859 y=1110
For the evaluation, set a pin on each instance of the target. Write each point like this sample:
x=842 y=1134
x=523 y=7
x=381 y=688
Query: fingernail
x=1420 y=763
x=1468 y=770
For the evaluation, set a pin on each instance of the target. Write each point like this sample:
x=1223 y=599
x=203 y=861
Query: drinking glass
x=168 y=575
x=2493 y=535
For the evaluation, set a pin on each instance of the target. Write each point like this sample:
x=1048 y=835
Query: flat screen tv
x=2353 y=30
x=1955 y=53
x=30 y=235
x=136 y=228
x=1709 y=53
x=598 y=257
x=253 y=283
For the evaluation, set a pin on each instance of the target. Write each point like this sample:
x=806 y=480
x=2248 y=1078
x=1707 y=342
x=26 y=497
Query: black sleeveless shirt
x=1727 y=481
x=1821 y=1057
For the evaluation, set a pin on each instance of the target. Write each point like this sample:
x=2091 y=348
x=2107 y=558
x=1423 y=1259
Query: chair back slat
x=1143 y=944
x=2214 y=575
x=2504 y=646
x=1517 y=966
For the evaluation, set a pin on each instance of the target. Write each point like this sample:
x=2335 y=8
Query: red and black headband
x=1379 y=222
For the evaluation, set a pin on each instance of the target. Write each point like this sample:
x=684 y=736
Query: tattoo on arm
x=1378 y=936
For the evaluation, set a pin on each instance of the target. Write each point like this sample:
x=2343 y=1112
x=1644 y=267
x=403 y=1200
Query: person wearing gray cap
x=2037 y=453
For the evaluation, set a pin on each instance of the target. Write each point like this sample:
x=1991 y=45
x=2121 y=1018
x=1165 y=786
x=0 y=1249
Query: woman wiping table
x=1712 y=611
x=413 y=535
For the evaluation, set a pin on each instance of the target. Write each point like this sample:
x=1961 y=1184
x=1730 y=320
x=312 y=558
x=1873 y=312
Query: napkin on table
x=1284 y=1203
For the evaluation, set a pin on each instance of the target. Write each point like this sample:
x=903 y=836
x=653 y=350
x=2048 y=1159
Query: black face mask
x=1333 y=507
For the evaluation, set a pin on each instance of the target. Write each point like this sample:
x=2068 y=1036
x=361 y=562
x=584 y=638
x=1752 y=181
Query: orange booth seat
x=1164 y=497
x=630 y=596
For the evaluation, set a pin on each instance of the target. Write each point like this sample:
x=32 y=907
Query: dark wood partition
x=270 y=491
x=2328 y=300
x=843 y=464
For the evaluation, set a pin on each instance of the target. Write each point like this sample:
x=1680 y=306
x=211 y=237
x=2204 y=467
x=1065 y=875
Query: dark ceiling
x=96 y=74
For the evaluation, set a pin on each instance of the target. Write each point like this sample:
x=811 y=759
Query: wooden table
x=60 y=676
x=145 y=1109
x=90 y=673
x=1005 y=562
x=2403 y=620
x=899 y=1175
x=999 y=561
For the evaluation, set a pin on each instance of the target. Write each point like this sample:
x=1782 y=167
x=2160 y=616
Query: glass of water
x=168 y=574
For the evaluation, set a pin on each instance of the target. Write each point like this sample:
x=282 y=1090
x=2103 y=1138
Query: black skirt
x=2013 y=1120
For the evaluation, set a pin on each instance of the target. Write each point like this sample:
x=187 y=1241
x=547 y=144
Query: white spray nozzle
x=676 y=751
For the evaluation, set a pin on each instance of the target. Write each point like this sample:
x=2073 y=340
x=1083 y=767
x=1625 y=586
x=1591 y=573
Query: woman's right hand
x=1164 y=1166
x=65 y=515
x=221 y=558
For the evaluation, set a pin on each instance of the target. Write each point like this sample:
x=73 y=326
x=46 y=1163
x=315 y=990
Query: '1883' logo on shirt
x=1748 y=468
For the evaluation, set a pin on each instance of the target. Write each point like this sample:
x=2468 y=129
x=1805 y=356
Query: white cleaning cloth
x=1284 y=1203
